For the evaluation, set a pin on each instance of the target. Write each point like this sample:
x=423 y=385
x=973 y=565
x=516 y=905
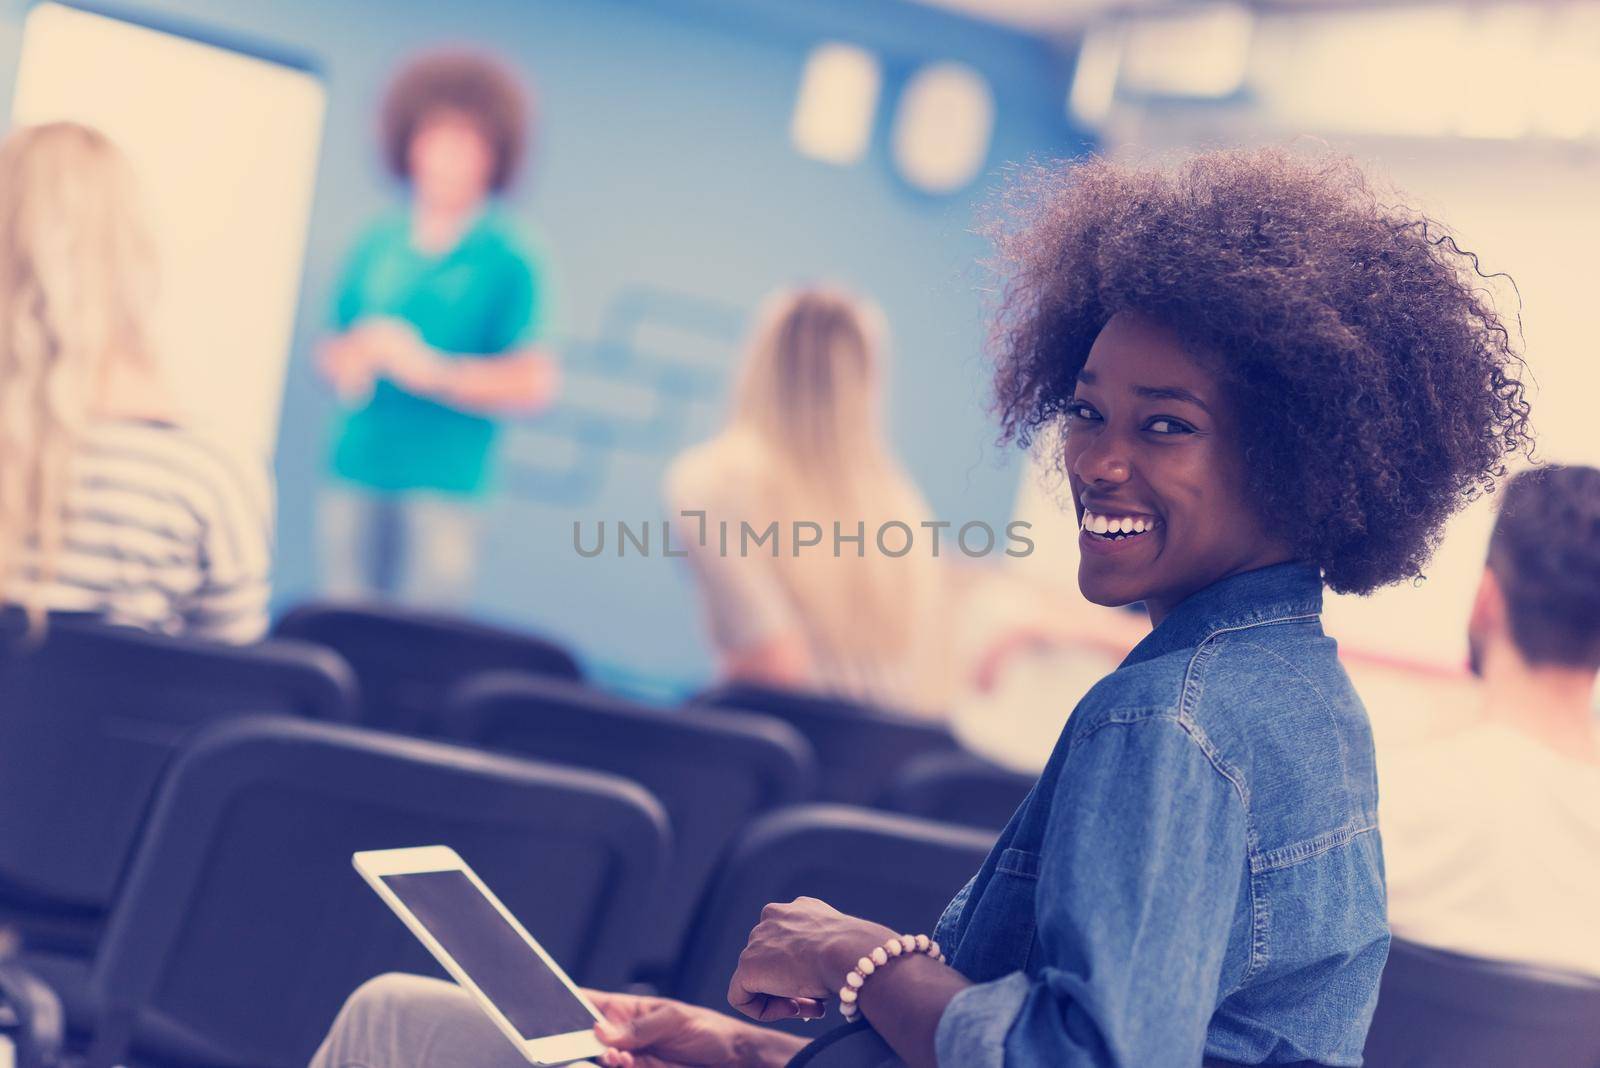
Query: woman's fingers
x=601 y=1000
x=655 y=1024
x=751 y=1004
x=768 y=1007
x=809 y=1008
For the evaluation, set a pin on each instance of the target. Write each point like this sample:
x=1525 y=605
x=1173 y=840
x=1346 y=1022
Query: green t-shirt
x=480 y=298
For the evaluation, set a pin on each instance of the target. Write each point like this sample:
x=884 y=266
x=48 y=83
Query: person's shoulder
x=714 y=472
x=1152 y=687
x=206 y=437
x=224 y=469
x=387 y=230
x=1150 y=737
x=1445 y=769
x=1276 y=707
x=1240 y=677
x=501 y=237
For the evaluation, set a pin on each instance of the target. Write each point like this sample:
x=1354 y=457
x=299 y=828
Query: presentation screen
x=224 y=144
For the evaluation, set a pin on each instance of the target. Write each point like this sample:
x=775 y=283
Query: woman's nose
x=1102 y=460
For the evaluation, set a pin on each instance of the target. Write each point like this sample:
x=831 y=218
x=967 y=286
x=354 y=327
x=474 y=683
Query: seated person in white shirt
x=805 y=454
x=1491 y=834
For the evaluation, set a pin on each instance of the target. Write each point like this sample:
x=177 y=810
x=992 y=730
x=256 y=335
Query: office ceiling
x=1035 y=16
x=1054 y=17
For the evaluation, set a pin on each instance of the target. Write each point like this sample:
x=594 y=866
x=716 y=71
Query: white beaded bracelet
x=857 y=977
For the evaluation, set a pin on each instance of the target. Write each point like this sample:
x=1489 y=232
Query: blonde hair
x=75 y=286
x=809 y=401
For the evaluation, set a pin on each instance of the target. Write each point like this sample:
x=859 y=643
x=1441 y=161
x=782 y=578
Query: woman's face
x=1157 y=473
x=450 y=161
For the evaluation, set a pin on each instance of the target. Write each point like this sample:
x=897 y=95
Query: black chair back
x=408 y=661
x=90 y=718
x=243 y=926
x=957 y=788
x=713 y=771
x=895 y=870
x=859 y=748
x=1438 y=1009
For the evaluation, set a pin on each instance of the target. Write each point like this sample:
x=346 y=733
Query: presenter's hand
x=400 y=354
x=645 y=1032
x=797 y=958
x=347 y=366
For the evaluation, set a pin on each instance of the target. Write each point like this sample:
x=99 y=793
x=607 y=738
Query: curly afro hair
x=475 y=84
x=1377 y=386
x=1546 y=553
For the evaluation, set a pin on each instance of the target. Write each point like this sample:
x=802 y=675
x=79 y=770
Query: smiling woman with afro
x=1268 y=381
x=1375 y=385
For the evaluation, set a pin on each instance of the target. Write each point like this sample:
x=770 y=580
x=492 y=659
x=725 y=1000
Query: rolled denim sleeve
x=974 y=1025
x=1139 y=879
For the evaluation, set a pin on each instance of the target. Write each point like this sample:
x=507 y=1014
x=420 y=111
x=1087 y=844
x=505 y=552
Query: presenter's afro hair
x=466 y=82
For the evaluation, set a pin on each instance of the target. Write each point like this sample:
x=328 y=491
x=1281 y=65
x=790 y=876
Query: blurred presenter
x=436 y=316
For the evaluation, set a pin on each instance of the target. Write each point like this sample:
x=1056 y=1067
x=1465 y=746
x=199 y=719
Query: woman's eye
x=1168 y=426
x=1079 y=410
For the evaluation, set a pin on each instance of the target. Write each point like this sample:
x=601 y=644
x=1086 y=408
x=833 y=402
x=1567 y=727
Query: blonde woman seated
x=785 y=509
x=109 y=505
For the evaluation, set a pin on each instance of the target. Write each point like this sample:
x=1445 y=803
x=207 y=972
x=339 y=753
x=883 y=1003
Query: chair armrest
x=36 y=1013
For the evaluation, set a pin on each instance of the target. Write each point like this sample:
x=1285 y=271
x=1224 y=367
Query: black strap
x=857 y=1045
x=854 y=1045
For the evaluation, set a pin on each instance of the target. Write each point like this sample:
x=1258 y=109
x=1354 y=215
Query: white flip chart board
x=225 y=147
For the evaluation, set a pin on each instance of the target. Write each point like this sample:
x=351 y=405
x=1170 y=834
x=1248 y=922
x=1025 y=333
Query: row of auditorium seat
x=132 y=832
x=410 y=663
x=241 y=926
x=113 y=705
x=230 y=934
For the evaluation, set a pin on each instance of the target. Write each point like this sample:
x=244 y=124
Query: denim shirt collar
x=1280 y=591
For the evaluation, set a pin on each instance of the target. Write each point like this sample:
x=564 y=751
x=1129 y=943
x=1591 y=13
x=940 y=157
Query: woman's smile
x=1157 y=471
x=1113 y=532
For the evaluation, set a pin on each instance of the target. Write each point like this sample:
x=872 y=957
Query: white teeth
x=1122 y=524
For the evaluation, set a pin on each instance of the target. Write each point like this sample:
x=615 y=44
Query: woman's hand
x=380 y=346
x=643 y=1032
x=399 y=354
x=797 y=957
x=347 y=366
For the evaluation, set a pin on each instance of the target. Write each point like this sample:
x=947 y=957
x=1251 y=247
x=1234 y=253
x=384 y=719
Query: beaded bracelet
x=880 y=956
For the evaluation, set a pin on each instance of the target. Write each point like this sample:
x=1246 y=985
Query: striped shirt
x=163 y=529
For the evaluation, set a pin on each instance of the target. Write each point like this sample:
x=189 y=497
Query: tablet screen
x=491 y=952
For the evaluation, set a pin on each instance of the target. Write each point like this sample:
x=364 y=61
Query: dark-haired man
x=1492 y=834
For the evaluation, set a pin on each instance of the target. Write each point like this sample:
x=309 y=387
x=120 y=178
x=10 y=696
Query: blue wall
x=668 y=200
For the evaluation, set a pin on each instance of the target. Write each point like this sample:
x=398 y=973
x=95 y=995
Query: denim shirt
x=1197 y=874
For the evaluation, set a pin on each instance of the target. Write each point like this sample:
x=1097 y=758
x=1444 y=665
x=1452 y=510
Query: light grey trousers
x=416 y=548
x=408 y=1021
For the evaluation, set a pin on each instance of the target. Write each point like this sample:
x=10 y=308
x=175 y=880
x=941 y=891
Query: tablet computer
x=486 y=950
